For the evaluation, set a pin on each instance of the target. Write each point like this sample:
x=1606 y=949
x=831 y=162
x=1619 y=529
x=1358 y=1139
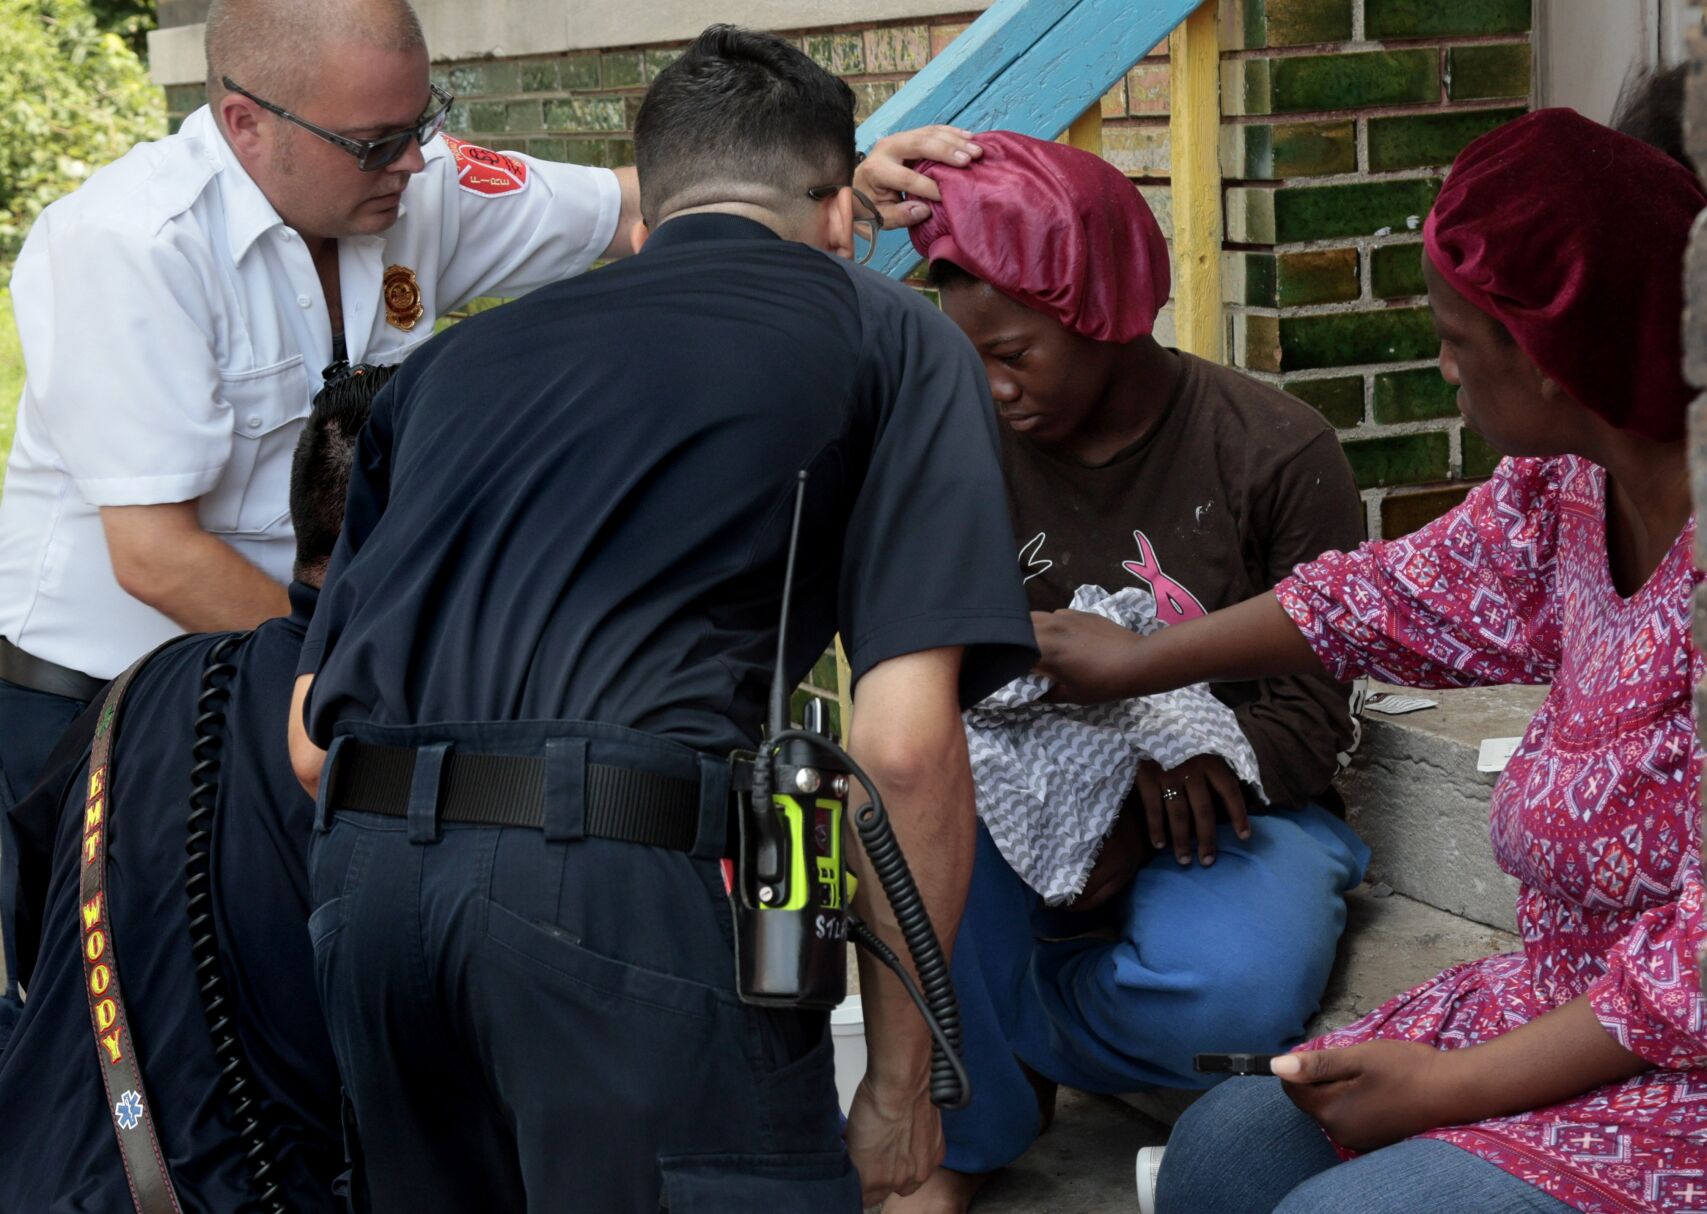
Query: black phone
x=1234 y=1064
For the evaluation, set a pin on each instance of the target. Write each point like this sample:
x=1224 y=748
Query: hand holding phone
x=1234 y=1064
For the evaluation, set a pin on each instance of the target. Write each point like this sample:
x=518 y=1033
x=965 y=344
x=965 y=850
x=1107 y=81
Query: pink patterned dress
x=1597 y=814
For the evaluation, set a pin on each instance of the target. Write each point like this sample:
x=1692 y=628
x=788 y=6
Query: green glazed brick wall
x=1339 y=399
x=1327 y=82
x=1474 y=72
x=1256 y=24
x=1413 y=396
x=181 y=99
x=581 y=106
x=1395 y=270
x=1414 y=141
x=1340 y=118
x=1426 y=18
x=1292 y=214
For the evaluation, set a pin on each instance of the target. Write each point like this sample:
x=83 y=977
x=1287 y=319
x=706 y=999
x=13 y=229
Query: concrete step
x=1084 y=1165
x=1391 y=944
x=1414 y=794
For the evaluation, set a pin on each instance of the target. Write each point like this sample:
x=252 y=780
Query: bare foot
x=946 y=1192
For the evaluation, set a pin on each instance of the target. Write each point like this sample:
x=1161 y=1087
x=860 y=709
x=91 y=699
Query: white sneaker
x=1149 y=1167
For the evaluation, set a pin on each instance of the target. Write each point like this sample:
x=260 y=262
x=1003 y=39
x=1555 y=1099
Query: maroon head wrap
x=1056 y=229
x=1572 y=236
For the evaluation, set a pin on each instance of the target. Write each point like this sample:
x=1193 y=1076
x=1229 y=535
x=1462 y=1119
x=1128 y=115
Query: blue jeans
x=1246 y=1149
x=534 y=1024
x=1232 y=957
x=30 y=723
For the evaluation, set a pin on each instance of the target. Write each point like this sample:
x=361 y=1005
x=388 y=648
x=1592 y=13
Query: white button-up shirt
x=174 y=330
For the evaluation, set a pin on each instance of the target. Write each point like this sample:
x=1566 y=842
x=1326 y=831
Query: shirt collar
x=704 y=227
x=248 y=214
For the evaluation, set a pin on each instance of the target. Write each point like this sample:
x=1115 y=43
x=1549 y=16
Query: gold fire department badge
x=402 y=298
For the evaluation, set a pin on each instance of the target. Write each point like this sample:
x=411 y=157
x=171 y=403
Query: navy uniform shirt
x=577 y=507
x=60 y=1153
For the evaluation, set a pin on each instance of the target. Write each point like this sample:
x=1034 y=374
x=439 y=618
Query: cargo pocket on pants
x=822 y=1181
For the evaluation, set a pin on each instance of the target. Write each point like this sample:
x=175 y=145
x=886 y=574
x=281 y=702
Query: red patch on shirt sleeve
x=482 y=171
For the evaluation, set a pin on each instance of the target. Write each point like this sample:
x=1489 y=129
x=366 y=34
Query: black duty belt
x=120 y=1064
x=509 y=790
x=38 y=674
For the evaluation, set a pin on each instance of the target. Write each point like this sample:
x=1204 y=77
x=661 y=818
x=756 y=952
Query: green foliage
x=11 y=375
x=72 y=97
x=129 y=19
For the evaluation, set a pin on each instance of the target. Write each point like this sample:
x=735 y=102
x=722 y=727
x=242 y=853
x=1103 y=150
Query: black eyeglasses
x=371 y=154
x=866 y=227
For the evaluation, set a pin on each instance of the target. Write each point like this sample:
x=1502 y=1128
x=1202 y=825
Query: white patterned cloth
x=1051 y=778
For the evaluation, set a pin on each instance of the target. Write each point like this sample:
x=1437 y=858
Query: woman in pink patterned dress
x=1572 y=1075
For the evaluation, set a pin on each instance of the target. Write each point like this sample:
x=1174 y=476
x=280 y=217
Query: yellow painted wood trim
x=844 y=690
x=1194 y=126
x=1086 y=131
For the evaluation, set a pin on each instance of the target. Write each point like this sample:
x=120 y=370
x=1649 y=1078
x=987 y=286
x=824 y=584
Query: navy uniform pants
x=533 y=1025
x=30 y=723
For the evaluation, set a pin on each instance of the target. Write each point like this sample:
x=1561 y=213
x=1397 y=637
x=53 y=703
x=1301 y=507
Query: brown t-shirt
x=1235 y=485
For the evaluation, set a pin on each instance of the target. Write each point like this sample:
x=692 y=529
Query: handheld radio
x=791 y=889
x=792 y=943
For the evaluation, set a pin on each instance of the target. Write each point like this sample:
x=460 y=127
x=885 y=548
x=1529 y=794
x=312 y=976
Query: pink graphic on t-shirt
x=1174 y=603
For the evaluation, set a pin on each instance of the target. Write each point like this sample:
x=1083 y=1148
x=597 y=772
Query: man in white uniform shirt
x=176 y=313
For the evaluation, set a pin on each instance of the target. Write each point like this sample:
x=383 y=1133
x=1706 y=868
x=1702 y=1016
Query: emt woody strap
x=121 y=1067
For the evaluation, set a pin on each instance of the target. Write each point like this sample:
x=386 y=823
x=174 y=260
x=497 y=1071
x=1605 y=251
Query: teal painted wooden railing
x=1031 y=66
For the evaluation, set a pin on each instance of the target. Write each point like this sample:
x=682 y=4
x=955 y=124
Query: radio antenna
x=779 y=677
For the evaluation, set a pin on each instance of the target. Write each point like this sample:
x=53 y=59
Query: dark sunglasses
x=371 y=154
x=866 y=227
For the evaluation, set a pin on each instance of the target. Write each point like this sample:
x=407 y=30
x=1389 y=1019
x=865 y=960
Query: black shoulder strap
x=243 y=1106
x=121 y=1067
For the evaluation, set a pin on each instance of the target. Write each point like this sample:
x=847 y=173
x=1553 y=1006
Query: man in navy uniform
x=549 y=622
x=60 y=1152
x=309 y=212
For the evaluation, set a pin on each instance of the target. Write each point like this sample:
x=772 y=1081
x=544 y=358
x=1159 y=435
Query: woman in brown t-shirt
x=1130 y=464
